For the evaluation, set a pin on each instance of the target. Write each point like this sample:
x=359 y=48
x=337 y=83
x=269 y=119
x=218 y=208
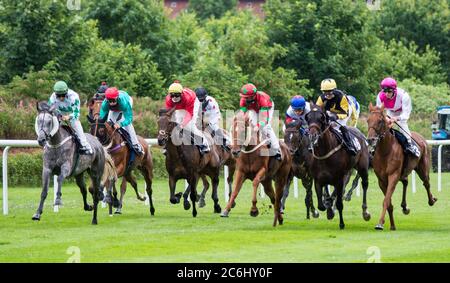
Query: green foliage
x=33 y=85
x=426 y=98
x=33 y=33
x=211 y=8
x=423 y=22
x=25 y=168
x=124 y=66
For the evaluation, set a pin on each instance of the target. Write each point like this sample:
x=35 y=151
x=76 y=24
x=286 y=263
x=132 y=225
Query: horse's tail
x=110 y=172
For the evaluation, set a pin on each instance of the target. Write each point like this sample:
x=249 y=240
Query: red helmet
x=112 y=93
x=248 y=90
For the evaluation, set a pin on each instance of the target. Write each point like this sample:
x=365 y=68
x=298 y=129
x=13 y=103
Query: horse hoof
x=322 y=207
x=88 y=207
x=379 y=227
x=58 y=202
x=118 y=212
x=224 y=213
x=406 y=211
x=393 y=228
x=341 y=226
x=36 y=216
x=94 y=221
x=366 y=216
x=280 y=221
x=254 y=213
x=194 y=213
x=315 y=214
x=201 y=202
x=348 y=198
x=187 y=205
x=174 y=200
x=197 y=199
x=217 y=208
x=116 y=203
x=111 y=215
x=330 y=214
x=233 y=204
x=152 y=211
x=432 y=202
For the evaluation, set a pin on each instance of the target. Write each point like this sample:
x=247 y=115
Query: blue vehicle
x=441 y=131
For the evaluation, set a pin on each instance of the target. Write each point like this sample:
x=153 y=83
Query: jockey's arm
x=345 y=107
x=379 y=103
x=51 y=100
x=264 y=114
x=75 y=109
x=104 y=110
x=288 y=119
x=189 y=113
x=319 y=101
x=406 y=108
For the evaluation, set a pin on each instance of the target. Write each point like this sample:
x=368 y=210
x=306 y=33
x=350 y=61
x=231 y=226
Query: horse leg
x=45 y=181
x=123 y=190
x=237 y=187
x=148 y=187
x=186 y=194
x=96 y=181
x=348 y=196
x=329 y=201
x=365 y=184
x=286 y=193
x=133 y=183
x=193 y=185
x=392 y=182
x=231 y=170
x=307 y=183
x=81 y=184
x=404 y=206
x=201 y=201
x=391 y=216
x=109 y=198
x=280 y=184
x=215 y=185
x=116 y=202
x=319 y=193
x=254 y=210
x=340 y=204
x=423 y=172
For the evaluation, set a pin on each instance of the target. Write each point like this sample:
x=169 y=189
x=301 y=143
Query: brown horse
x=391 y=164
x=298 y=146
x=252 y=165
x=121 y=155
x=184 y=161
x=331 y=164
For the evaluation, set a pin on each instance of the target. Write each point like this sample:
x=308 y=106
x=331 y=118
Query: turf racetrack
x=173 y=235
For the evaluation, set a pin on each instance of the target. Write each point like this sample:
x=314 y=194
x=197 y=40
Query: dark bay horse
x=391 y=164
x=298 y=147
x=331 y=163
x=121 y=154
x=260 y=168
x=60 y=158
x=184 y=161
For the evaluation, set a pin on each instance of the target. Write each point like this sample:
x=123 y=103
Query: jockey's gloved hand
x=116 y=126
x=332 y=117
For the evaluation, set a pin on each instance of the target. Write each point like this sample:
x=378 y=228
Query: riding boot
x=348 y=141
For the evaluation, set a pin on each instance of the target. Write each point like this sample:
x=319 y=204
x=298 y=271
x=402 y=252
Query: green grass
x=173 y=235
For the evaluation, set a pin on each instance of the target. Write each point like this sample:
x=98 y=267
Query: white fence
x=7 y=144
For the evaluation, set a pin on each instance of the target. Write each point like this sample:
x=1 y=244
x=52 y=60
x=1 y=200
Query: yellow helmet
x=175 y=88
x=327 y=84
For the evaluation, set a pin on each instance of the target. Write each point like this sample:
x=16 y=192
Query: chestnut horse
x=331 y=163
x=184 y=161
x=260 y=168
x=391 y=164
x=121 y=155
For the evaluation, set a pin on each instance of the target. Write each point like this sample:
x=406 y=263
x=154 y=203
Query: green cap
x=60 y=88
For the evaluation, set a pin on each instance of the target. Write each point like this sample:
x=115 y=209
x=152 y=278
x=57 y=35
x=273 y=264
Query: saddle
x=403 y=141
x=74 y=136
x=352 y=138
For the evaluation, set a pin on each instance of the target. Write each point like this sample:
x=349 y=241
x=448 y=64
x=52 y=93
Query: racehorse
x=298 y=145
x=331 y=163
x=184 y=161
x=121 y=155
x=61 y=158
x=260 y=168
x=391 y=164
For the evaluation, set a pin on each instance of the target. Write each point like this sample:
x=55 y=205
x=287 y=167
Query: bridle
x=373 y=141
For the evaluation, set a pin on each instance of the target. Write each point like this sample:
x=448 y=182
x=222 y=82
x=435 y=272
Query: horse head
x=243 y=133
x=165 y=125
x=378 y=126
x=292 y=136
x=317 y=122
x=47 y=123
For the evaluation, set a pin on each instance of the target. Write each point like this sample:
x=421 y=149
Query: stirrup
x=86 y=150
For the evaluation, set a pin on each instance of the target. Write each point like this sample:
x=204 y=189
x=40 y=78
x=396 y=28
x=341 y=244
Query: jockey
x=398 y=105
x=119 y=102
x=101 y=89
x=260 y=103
x=297 y=110
x=335 y=102
x=211 y=117
x=186 y=99
x=67 y=104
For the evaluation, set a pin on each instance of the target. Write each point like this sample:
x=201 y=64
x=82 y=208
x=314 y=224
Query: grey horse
x=60 y=158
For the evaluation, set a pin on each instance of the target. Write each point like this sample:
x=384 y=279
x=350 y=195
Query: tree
x=206 y=9
x=424 y=22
